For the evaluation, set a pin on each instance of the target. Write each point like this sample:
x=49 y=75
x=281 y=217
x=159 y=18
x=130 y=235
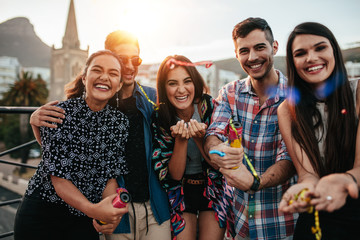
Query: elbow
x=176 y=176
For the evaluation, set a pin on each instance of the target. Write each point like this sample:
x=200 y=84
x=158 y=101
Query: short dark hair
x=119 y=37
x=242 y=29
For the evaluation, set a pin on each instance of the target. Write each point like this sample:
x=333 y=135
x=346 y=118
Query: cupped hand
x=196 y=129
x=332 y=190
x=291 y=202
x=180 y=130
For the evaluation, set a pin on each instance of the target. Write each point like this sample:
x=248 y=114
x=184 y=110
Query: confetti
x=171 y=63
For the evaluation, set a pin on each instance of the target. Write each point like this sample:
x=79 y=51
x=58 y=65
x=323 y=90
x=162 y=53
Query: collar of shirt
x=277 y=93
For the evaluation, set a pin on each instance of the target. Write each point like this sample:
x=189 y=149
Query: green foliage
x=12 y=136
x=26 y=91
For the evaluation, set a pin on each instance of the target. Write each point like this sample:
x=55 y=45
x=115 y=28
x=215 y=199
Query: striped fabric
x=256 y=214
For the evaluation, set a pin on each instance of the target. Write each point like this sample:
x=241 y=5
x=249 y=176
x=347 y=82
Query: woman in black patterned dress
x=81 y=158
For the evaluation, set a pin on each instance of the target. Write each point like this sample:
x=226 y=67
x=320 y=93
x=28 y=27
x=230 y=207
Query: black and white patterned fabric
x=88 y=149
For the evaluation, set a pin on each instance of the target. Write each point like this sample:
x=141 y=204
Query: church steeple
x=66 y=62
x=71 y=39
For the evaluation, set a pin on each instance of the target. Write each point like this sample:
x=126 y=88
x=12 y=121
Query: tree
x=26 y=91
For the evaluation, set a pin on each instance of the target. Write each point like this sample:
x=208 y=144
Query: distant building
x=9 y=70
x=68 y=61
x=215 y=78
x=353 y=69
x=147 y=74
x=43 y=72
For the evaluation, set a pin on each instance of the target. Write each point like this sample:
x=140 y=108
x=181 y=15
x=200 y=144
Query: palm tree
x=26 y=91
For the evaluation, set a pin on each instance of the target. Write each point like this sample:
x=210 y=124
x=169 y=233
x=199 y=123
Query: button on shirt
x=256 y=214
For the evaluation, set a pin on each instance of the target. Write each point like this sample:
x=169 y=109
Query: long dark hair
x=339 y=151
x=167 y=112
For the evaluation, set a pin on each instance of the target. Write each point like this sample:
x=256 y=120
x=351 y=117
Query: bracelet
x=256 y=184
x=352 y=176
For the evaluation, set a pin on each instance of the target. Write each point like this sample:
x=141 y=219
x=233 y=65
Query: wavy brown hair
x=76 y=87
x=339 y=152
x=167 y=112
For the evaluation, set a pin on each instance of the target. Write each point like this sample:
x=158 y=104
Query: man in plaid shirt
x=253 y=102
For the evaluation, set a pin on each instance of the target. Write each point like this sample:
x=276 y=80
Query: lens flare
x=330 y=86
x=293 y=95
x=271 y=91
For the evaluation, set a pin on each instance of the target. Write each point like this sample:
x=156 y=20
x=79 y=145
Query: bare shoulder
x=283 y=109
x=284 y=116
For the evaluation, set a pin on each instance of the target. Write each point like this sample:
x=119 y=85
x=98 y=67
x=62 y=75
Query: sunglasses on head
x=136 y=61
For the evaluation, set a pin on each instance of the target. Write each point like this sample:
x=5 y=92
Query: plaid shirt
x=256 y=214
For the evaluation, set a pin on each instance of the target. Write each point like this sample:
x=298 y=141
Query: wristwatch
x=256 y=184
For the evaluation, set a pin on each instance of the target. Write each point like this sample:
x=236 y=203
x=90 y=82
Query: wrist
x=256 y=184
x=352 y=176
x=88 y=208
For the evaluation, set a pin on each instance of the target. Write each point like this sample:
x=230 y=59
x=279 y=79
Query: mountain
x=18 y=39
x=351 y=54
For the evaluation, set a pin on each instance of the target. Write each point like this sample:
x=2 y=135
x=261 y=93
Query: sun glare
x=138 y=18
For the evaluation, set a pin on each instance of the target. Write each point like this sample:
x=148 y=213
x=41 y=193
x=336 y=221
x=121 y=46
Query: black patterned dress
x=87 y=149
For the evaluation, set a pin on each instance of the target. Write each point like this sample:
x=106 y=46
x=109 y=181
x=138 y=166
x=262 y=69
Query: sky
x=198 y=29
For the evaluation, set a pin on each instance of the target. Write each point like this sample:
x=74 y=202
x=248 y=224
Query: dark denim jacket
x=158 y=198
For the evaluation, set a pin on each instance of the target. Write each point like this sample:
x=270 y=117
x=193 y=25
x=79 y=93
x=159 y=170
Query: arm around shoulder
x=44 y=115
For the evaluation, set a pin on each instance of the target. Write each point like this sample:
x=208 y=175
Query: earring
x=117 y=99
x=84 y=94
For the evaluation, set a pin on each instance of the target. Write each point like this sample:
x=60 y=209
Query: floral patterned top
x=217 y=191
x=87 y=149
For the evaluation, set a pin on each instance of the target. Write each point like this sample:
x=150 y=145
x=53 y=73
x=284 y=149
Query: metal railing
x=15 y=110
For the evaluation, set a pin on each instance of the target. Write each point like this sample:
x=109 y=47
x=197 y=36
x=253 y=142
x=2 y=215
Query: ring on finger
x=329 y=198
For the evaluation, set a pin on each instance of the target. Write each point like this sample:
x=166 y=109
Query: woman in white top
x=319 y=125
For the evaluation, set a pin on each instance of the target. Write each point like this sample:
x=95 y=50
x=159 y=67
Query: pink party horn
x=119 y=201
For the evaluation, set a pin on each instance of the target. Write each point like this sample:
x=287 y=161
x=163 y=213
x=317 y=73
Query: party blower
x=119 y=201
x=234 y=135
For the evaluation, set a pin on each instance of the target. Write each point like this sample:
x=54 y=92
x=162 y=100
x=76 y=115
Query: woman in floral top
x=197 y=192
x=81 y=158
